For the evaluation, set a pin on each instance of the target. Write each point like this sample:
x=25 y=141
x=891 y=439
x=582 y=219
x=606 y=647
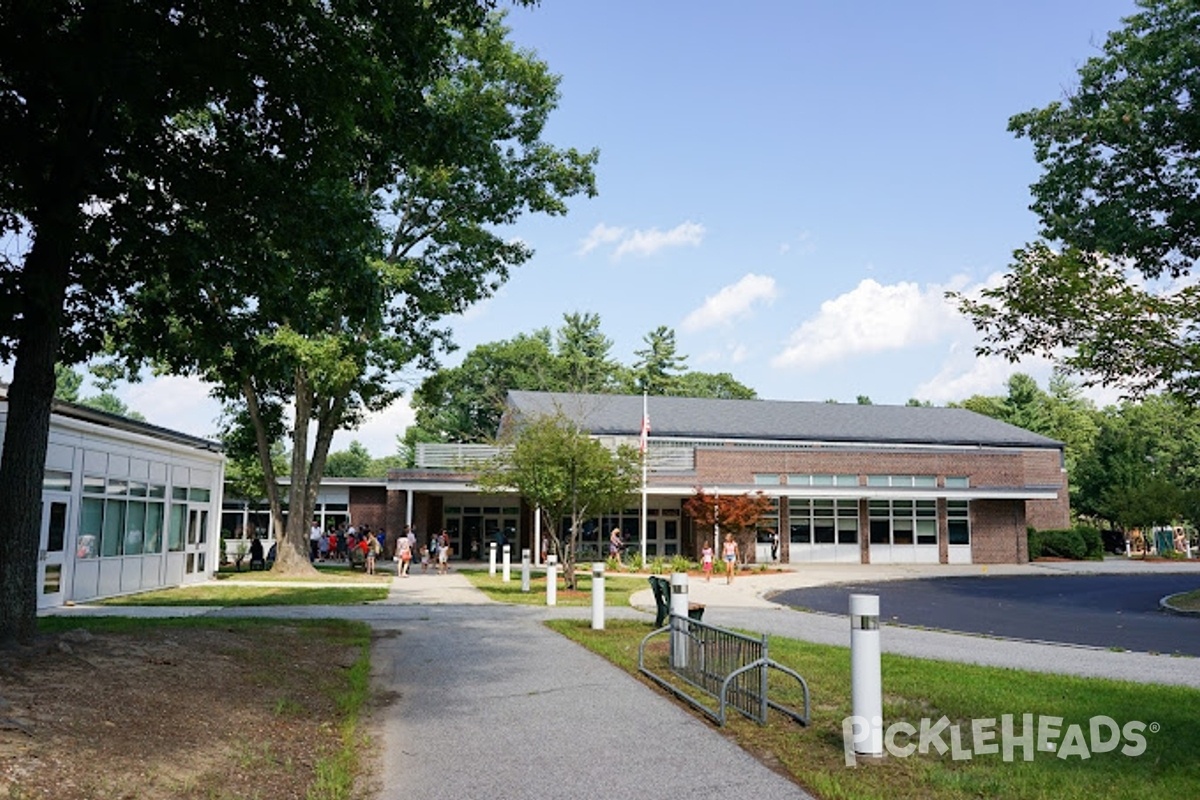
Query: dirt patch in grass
x=171 y=712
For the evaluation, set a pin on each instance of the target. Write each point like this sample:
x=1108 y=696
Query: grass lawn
x=917 y=689
x=216 y=594
x=327 y=573
x=617 y=589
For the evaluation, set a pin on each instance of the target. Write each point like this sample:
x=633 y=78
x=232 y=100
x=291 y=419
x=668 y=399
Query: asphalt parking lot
x=1108 y=611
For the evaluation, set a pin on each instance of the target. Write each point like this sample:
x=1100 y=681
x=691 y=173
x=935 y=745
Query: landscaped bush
x=1093 y=542
x=1034 y=543
x=1075 y=543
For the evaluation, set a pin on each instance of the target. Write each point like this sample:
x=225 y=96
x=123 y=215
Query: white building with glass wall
x=126 y=506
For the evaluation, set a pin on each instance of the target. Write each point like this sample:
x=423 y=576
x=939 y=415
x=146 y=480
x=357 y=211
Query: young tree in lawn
x=565 y=474
x=738 y=514
x=1108 y=290
x=309 y=328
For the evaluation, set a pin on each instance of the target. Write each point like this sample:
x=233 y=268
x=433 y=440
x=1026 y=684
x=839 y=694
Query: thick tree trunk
x=27 y=430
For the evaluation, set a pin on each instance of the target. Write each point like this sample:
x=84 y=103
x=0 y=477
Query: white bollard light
x=507 y=561
x=679 y=619
x=525 y=558
x=866 y=681
x=552 y=581
x=597 y=595
x=492 y=559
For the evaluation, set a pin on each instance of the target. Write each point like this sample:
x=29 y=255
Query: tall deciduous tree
x=566 y=475
x=1106 y=291
x=118 y=121
x=353 y=298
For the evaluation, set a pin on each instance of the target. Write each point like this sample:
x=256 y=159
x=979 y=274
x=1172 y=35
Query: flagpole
x=645 y=442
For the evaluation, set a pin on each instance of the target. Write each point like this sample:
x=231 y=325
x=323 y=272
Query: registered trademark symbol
x=1154 y=727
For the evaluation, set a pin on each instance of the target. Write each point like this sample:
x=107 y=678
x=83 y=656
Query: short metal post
x=507 y=563
x=597 y=595
x=492 y=559
x=866 y=680
x=679 y=620
x=525 y=557
x=552 y=580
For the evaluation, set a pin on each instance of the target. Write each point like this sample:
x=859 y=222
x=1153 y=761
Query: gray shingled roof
x=689 y=417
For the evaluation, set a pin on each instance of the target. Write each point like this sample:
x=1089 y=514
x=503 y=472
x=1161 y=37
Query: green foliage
x=1081 y=542
x=658 y=565
x=717 y=385
x=1120 y=158
x=465 y=403
x=67 y=383
x=561 y=470
x=111 y=404
x=682 y=564
x=658 y=367
x=354 y=462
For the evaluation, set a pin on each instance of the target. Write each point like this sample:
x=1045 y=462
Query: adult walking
x=729 y=553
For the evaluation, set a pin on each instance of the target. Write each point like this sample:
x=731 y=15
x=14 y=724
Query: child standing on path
x=706 y=562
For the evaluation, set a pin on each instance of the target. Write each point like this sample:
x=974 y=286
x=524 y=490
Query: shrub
x=657 y=565
x=1035 y=543
x=1064 y=543
x=636 y=563
x=681 y=564
x=1093 y=542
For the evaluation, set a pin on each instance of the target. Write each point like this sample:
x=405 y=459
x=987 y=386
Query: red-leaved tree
x=738 y=514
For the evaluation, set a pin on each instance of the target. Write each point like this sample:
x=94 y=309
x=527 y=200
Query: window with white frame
x=823 y=521
x=958 y=522
x=902 y=522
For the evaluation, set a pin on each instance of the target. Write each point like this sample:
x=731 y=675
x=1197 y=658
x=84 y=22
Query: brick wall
x=984 y=468
x=998 y=532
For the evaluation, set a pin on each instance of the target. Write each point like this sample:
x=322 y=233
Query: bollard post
x=866 y=682
x=597 y=595
x=507 y=561
x=552 y=580
x=492 y=559
x=525 y=557
x=679 y=620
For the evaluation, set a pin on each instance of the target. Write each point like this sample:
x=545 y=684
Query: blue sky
x=790 y=186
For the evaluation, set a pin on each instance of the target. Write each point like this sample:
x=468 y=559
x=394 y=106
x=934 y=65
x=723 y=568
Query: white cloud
x=176 y=402
x=182 y=404
x=964 y=374
x=601 y=234
x=379 y=430
x=731 y=302
x=641 y=242
x=647 y=243
x=871 y=318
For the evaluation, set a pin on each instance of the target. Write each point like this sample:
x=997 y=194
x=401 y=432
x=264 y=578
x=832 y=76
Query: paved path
x=490 y=703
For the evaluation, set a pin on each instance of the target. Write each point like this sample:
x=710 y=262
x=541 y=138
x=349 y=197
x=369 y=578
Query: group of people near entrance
x=435 y=551
x=340 y=542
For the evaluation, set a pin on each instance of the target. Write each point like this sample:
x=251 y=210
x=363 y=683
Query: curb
x=1165 y=605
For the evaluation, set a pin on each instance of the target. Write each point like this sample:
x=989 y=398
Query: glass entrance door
x=52 y=565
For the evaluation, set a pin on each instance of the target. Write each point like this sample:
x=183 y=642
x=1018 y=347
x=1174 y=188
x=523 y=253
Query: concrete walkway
x=490 y=703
